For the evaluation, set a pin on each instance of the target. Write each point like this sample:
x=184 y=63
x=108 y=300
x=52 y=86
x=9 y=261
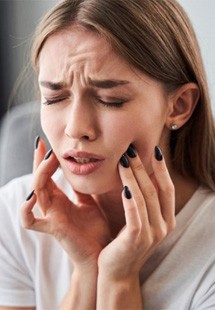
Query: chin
x=94 y=185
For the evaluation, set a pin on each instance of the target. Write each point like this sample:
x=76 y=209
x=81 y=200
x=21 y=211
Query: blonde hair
x=156 y=37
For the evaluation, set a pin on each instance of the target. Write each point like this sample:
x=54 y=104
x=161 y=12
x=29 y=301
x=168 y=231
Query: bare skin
x=141 y=233
x=120 y=234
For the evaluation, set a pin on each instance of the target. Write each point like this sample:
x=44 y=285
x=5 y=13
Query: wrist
x=82 y=272
x=118 y=272
x=125 y=279
x=123 y=293
x=82 y=291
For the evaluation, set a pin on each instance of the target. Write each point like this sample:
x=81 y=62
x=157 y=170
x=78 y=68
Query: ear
x=182 y=104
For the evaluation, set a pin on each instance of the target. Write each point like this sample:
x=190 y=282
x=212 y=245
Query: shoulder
x=195 y=232
x=206 y=195
x=201 y=205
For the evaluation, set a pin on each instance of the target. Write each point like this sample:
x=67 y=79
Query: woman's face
x=93 y=106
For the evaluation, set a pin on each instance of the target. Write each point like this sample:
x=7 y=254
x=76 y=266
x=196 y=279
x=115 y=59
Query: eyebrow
x=52 y=85
x=94 y=83
x=107 y=83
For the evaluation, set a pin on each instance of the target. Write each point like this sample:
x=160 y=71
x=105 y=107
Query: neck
x=184 y=189
x=111 y=203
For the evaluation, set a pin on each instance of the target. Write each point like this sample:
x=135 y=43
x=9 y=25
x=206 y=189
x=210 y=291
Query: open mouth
x=82 y=160
x=82 y=165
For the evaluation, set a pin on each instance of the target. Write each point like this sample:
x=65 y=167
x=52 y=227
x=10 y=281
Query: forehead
x=79 y=54
x=76 y=47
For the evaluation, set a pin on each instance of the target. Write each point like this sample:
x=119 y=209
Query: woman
x=125 y=224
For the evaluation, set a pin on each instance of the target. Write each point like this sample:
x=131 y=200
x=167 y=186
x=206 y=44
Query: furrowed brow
x=52 y=85
x=107 y=83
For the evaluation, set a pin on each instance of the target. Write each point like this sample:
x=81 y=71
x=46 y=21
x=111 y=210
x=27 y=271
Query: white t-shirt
x=35 y=271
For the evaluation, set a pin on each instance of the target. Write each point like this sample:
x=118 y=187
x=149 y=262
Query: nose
x=81 y=122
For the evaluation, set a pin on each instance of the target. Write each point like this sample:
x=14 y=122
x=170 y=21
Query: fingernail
x=127 y=193
x=30 y=196
x=36 y=142
x=131 y=151
x=48 y=154
x=158 y=153
x=124 y=161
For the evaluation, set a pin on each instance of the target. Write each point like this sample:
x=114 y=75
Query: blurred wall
x=18 y=19
x=202 y=15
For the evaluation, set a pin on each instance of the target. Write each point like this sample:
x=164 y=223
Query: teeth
x=83 y=160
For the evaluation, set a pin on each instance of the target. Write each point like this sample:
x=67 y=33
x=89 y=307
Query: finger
x=128 y=179
x=165 y=188
x=27 y=216
x=45 y=170
x=39 y=152
x=149 y=187
x=43 y=184
x=146 y=189
x=132 y=217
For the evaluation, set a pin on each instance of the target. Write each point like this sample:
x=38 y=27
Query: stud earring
x=174 y=127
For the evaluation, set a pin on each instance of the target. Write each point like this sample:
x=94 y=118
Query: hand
x=80 y=228
x=149 y=207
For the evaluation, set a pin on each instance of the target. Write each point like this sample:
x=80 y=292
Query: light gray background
x=202 y=15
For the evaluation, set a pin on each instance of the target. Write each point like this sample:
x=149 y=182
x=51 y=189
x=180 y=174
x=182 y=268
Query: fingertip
x=158 y=160
x=39 y=152
x=27 y=206
x=127 y=192
x=158 y=153
x=29 y=201
x=48 y=154
x=39 y=143
x=36 y=142
x=124 y=161
x=29 y=197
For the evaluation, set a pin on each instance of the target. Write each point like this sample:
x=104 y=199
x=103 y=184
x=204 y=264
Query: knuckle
x=169 y=189
x=138 y=166
x=135 y=232
x=150 y=192
x=160 y=233
x=139 y=201
x=171 y=225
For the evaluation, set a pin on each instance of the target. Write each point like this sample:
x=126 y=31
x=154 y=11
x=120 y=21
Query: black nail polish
x=131 y=151
x=124 y=161
x=158 y=153
x=30 y=196
x=36 y=142
x=48 y=154
x=127 y=193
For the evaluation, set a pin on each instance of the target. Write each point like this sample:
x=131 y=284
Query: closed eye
x=53 y=101
x=116 y=103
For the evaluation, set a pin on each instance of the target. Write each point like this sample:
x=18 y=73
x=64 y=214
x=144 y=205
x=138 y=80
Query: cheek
x=147 y=135
x=51 y=125
x=117 y=132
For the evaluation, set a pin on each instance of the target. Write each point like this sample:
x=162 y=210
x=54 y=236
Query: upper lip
x=82 y=154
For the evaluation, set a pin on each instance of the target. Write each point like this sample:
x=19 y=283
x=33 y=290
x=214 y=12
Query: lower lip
x=82 y=169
